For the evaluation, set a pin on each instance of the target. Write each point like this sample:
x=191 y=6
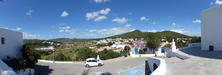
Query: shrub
x=84 y=53
x=30 y=55
x=15 y=63
x=125 y=52
x=108 y=54
x=141 y=52
x=61 y=57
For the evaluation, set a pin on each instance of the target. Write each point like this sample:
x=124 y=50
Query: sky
x=48 y=19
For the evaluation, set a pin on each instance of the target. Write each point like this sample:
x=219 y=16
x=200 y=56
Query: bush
x=30 y=55
x=108 y=54
x=15 y=63
x=141 y=52
x=168 y=46
x=125 y=52
x=61 y=57
x=84 y=53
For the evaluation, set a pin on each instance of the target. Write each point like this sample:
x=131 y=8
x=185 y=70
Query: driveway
x=199 y=63
x=115 y=67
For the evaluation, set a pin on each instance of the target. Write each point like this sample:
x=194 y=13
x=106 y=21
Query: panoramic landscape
x=110 y=37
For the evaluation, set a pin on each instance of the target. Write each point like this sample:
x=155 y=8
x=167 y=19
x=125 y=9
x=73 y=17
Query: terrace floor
x=199 y=63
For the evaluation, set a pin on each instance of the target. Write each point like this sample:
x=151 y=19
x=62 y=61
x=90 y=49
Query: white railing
x=5 y=69
x=161 y=69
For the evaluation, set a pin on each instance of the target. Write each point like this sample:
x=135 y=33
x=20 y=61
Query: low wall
x=142 y=55
x=5 y=69
x=60 y=62
x=161 y=69
x=194 y=44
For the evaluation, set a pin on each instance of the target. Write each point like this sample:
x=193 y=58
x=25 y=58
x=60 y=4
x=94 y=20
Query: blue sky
x=47 y=19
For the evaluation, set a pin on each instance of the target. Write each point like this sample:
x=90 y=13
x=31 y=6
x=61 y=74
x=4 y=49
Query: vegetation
x=108 y=54
x=77 y=49
x=30 y=55
x=102 y=45
x=84 y=53
x=81 y=54
x=168 y=35
x=125 y=52
x=196 y=40
x=167 y=46
x=29 y=58
x=15 y=63
x=153 y=44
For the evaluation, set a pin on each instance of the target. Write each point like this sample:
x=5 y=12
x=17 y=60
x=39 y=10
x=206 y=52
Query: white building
x=211 y=28
x=45 y=48
x=10 y=43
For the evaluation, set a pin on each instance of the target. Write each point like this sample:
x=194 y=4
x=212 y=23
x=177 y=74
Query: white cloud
x=18 y=29
x=29 y=13
x=120 y=20
x=98 y=14
x=64 y=14
x=30 y=36
x=69 y=32
x=112 y=31
x=100 y=18
x=218 y=2
x=65 y=29
x=144 y=18
x=173 y=24
x=105 y=12
x=182 y=31
x=101 y=1
x=196 y=21
x=152 y=30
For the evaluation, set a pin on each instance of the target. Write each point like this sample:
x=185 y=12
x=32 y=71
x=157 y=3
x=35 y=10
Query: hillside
x=149 y=35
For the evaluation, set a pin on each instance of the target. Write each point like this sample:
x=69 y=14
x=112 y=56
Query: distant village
x=117 y=44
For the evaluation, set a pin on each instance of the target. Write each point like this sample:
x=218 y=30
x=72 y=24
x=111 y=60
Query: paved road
x=113 y=67
x=199 y=63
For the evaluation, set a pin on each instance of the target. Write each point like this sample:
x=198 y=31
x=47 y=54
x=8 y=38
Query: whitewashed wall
x=161 y=66
x=5 y=70
x=211 y=28
x=13 y=43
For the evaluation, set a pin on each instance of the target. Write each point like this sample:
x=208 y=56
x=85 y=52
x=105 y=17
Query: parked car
x=93 y=62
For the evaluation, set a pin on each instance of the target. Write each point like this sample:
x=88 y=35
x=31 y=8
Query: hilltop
x=148 y=35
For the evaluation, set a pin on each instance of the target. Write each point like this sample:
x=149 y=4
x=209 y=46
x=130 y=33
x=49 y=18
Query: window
x=3 y=40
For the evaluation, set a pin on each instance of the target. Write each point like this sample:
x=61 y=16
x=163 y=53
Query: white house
x=45 y=48
x=211 y=28
x=10 y=43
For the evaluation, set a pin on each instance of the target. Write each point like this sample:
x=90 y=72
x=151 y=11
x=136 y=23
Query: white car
x=93 y=62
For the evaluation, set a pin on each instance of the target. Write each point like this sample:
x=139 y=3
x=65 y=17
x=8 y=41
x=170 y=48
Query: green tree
x=125 y=51
x=30 y=55
x=108 y=54
x=167 y=46
x=153 y=44
x=84 y=53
